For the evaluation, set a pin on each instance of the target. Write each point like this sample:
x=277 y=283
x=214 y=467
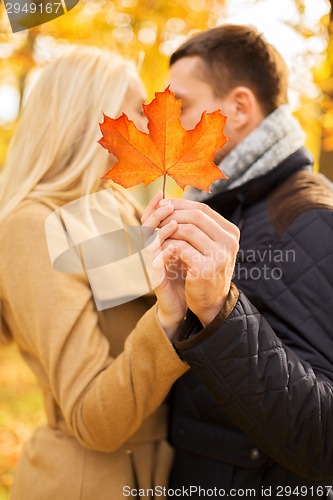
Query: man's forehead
x=185 y=75
x=186 y=66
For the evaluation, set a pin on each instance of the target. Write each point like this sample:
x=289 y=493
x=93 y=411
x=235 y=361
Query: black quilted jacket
x=256 y=409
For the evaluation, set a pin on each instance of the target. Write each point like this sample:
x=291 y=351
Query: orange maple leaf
x=185 y=155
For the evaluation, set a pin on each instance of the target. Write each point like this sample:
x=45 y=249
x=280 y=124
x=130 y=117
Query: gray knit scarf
x=277 y=137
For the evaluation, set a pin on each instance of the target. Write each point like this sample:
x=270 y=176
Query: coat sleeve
x=274 y=374
x=103 y=400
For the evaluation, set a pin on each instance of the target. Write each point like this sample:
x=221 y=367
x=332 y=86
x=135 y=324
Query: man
x=255 y=412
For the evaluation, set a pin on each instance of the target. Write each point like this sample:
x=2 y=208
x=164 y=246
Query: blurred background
x=148 y=31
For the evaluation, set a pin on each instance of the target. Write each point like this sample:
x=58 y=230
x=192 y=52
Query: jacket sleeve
x=103 y=400
x=274 y=374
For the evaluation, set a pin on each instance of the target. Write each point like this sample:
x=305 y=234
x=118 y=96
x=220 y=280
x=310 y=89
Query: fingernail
x=164 y=202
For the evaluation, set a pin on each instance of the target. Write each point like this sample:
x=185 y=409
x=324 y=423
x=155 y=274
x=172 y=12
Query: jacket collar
x=230 y=203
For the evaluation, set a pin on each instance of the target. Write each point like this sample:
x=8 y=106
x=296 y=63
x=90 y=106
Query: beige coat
x=104 y=376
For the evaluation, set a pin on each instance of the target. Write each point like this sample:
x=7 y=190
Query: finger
x=168 y=255
x=158 y=238
x=156 y=268
x=182 y=204
x=157 y=216
x=197 y=238
x=152 y=205
x=184 y=251
x=202 y=221
x=196 y=266
x=153 y=249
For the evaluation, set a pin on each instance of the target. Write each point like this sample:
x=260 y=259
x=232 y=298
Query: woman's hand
x=207 y=244
x=165 y=269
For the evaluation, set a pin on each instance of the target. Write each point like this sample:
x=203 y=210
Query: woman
x=106 y=422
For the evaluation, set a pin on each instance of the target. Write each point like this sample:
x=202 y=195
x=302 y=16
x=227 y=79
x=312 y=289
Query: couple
x=247 y=350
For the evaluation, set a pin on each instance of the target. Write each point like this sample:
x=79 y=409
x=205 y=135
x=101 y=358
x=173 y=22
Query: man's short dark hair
x=234 y=55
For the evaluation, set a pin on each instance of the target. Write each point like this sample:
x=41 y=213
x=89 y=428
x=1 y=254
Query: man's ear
x=244 y=109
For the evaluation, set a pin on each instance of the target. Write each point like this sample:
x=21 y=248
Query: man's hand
x=207 y=244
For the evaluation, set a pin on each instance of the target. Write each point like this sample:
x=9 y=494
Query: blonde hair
x=54 y=152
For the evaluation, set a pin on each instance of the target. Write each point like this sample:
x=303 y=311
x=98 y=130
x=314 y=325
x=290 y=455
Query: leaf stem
x=164 y=184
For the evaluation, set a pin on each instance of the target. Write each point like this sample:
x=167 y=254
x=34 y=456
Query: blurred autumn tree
x=315 y=112
x=324 y=78
x=140 y=29
x=145 y=29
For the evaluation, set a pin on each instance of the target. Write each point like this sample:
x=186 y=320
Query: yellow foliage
x=144 y=30
x=152 y=28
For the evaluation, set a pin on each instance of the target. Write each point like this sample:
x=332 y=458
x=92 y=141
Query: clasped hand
x=192 y=259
